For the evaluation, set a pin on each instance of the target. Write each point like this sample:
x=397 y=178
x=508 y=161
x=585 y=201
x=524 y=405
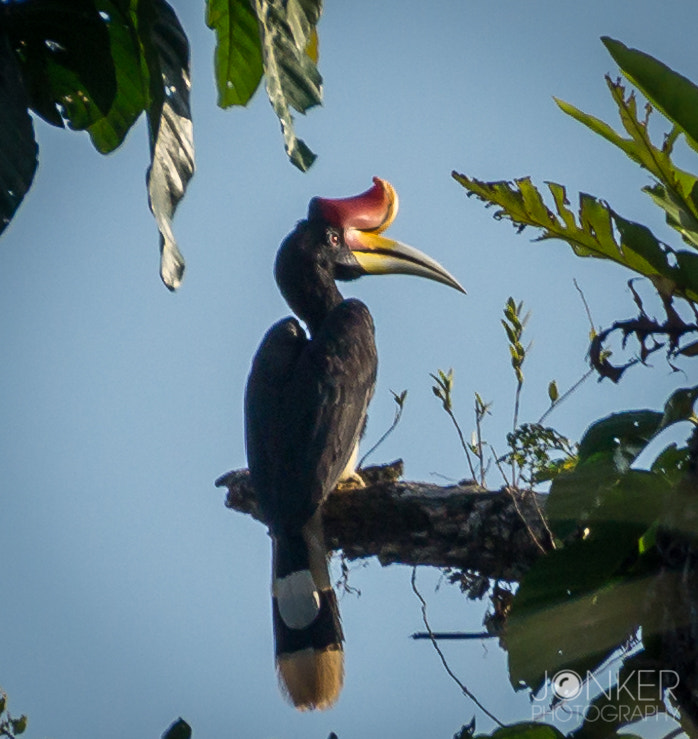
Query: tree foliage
x=97 y=65
x=619 y=581
x=597 y=230
x=617 y=575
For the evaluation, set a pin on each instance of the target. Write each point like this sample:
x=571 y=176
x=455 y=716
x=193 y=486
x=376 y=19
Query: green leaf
x=510 y=333
x=65 y=56
x=687 y=273
x=592 y=233
x=169 y=121
x=238 y=57
x=679 y=407
x=670 y=92
x=524 y=730
x=19 y=159
x=180 y=729
x=19 y=725
x=672 y=463
x=678 y=216
x=595 y=496
x=570 y=611
x=292 y=79
x=621 y=435
x=131 y=97
x=639 y=694
x=676 y=191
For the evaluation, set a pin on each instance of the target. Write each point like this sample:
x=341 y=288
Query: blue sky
x=130 y=594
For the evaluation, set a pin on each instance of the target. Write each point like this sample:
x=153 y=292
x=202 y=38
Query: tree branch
x=494 y=533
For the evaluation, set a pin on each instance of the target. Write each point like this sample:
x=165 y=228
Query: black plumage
x=305 y=409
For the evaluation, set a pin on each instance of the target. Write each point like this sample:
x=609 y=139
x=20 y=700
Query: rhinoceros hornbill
x=305 y=409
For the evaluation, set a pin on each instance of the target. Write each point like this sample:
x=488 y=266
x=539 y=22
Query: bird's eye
x=333 y=238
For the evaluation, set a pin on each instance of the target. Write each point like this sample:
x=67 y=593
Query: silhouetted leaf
x=131 y=98
x=524 y=730
x=672 y=463
x=63 y=48
x=180 y=729
x=18 y=160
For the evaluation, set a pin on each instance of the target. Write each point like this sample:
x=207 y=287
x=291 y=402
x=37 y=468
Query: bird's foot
x=351 y=482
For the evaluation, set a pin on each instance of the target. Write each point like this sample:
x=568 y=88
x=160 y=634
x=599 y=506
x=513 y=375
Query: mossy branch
x=415 y=523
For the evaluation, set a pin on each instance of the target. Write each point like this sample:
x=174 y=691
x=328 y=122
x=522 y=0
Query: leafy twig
x=10 y=727
x=442 y=390
x=554 y=404
x=514 y=326
x=481 y=410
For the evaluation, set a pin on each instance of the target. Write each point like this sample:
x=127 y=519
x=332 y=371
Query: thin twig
x=499 y=467
x=463 y=688
x=479 y=415
x=396 y=420
x=567 y=394
x=517 y=398
x=462 y=442
x=544 y=521
x=586 y=305
x=512 y=494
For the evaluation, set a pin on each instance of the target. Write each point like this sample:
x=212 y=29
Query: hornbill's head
x=342 y=239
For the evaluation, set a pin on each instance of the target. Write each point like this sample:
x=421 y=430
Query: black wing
x=271 y=373
x=305 y=410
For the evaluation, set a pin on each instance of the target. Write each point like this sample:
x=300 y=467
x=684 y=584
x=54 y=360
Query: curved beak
x=364 y=218
x=379 y=255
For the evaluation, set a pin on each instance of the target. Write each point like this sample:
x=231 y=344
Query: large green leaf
x=672 y=93
x=580 y=603
x=63 y=48
x=672 y=463
x=131 y=98
x=166 y=52
x=622 y=435
x=18 y=158
x=571 y=612
x=238 y=57
x=590 y=233
x=292 y=78
x=676 y=191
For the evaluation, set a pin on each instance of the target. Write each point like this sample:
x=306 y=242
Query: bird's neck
x=315 y=302
x=305 y=278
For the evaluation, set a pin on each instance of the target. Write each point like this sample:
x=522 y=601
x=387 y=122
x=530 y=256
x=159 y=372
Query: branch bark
x=498 y=534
